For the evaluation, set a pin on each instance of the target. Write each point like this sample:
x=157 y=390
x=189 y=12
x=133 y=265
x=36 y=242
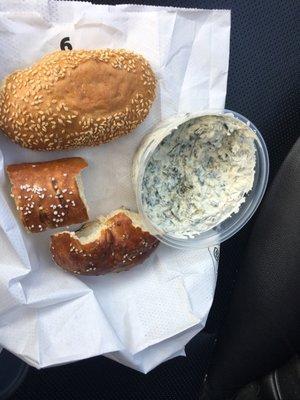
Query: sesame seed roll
x=71 y=99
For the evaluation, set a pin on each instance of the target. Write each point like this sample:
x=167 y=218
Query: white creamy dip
x=199 y=175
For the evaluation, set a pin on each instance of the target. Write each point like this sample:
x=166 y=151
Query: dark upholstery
x=262 y=329
x=264 y=86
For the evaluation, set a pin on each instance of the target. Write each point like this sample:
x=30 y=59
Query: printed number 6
x=65 y=44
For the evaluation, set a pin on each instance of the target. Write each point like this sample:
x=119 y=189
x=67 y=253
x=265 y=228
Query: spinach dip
x=199 y=175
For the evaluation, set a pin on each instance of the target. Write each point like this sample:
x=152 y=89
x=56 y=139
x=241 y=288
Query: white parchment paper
x=145 y=316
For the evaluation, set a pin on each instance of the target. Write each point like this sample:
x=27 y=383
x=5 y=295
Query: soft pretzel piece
x=112 y=244
x=49 y=194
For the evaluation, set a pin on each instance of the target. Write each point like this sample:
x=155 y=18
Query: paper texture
x=145 y=316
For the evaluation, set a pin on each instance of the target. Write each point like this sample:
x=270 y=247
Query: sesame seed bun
x=112 y=244
x=77 y=98
x=49 y=194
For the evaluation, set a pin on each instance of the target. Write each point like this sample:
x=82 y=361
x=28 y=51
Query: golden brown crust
x=119 y=247
x=46 y=194
x=76 y=98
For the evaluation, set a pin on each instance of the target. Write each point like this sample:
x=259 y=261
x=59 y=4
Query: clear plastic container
x=229 y=226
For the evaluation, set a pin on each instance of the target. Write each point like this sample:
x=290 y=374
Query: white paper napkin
x=145 y=316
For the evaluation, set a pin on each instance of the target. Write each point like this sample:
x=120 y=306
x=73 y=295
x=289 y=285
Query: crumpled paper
x=145 y=316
